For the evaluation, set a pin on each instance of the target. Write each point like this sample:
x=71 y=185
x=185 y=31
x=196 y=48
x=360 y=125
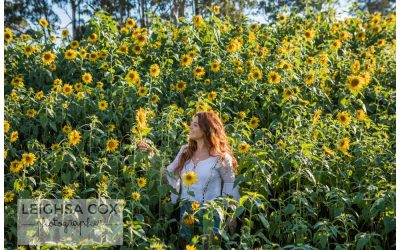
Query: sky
x=341 y=10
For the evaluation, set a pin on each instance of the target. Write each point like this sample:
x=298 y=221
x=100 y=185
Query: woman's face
x=195 y=130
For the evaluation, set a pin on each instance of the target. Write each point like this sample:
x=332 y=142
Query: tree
x=372 y=6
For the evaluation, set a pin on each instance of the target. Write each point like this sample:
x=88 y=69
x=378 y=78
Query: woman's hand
x=143 y=146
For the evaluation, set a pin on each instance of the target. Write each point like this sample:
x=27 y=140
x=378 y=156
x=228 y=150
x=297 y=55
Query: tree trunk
x=181 y=11
x=175 y=11
x=73 y=13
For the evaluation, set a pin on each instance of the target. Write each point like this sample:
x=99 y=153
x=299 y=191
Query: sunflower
x=216 y=9
x=65 y=33
x=83 y=53
x=355 y=67
x=288 y=93
x=28 y=50
x=102 y=105
x=43 y=23
x=310 y=78
x=316 y=116
x=67 y=89
x=39 y=95
x=198 y=21
x=28 y=159
x=199 y=72
x=130 y=23
x=31 y=113
x=195 y=206
x=243 y=147
x=74 y=137
x=123 y=49
x=141 y=39
x=87 y=78
x=361 y=36
x=141 y=182
x=8 y=196
x=48 y=57
x=67 y=192
x=141 y=119
x=135 y=196
x=190 y=247
x=254 y=122
x=93 y=56
x=15 y=166
x=323 y=59
x=111 y=145
x=281 y=18
x=6 y=126
x=381 y=43
x=180 y=86
x=212 y=95
x=93 y=38
x=186 y=60
x=274 y=77
x=361 y=115
x=14 y=136
x=335 y=45
x=309 y=35
x=189 y=219
x=154 y=99
x=132 y=78
x=189 y=178
x=8 y=35
x=142 y=91
x=215 y=66
x=242 y=114
x=310 y=61
x=344 y=144
x=74 y=44
x=137 y=49
x=343 y=118
x=154 y=70
x=355 y=83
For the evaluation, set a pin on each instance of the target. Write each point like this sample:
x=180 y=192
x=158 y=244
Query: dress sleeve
x=170 y=176
x=228 y=177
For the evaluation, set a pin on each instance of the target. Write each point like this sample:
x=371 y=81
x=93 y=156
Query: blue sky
x=341 y=11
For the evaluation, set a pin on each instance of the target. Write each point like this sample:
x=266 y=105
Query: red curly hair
x=214 y=138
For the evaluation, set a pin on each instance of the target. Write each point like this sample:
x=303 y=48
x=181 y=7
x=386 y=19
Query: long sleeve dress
x=209 y=179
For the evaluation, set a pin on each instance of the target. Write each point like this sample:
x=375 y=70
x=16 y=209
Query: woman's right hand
x=143 y=146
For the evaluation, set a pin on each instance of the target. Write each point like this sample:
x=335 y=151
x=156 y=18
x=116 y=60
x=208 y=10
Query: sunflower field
x=308 y=103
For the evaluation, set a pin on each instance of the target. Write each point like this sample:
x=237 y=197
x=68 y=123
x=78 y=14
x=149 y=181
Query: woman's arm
x=228 y=177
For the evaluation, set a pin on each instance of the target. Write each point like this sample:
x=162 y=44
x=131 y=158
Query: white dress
x=204 y=176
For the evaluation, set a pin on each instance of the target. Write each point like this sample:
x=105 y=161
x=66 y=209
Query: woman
x=209 y=160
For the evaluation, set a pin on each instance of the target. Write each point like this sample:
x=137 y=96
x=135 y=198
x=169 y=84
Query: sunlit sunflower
x=189 y=219
x=141 y=119
x=137 y=49
x=355 y=67
x=123 y=49
x=215 y=66
x=335 y=45
x=28 y=159
x=87 y=78
x=31 y=113
x=74 y=44
x=309 y=35
x=8 y=196
x=48 y=57
x=67 y=89
x=111 y=145
x=15 y=166
x=288 y=93
x=65 y=33
x=361 y=115
x=93 y=56
x=93 y=38
x=28 y=50
x=343 y=118
x=344 y=144
x=180 y=86
x=195 y=206
x=254 y=122
x=135 y=196
x=274 y=77
x=199 y=72
x=189 y=178
x=67 y=192
x=74 y=137
x=155 y=98
x=130 y=23
x=14 y=136
x=43 y=23
x=355 y=83
x=243 y=147
x=154 y=70
x=186 y=60
x=142 y=91
x=212 y=95
x=310 y=78
x=133 y=78
x=102 y=105
x=328 y=151
x=141 y=182
x=198 y=21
